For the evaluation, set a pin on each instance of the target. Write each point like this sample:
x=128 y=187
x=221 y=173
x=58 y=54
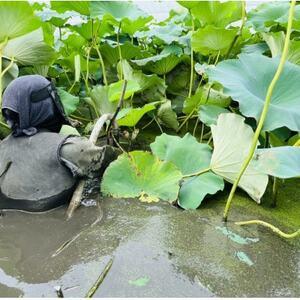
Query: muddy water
x=157 y=250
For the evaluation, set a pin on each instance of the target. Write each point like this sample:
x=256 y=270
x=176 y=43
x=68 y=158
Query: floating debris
x=142 y=281
x=243 y=257
x=235 y=237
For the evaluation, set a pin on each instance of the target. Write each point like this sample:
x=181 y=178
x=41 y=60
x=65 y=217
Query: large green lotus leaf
x=118 y=10
x=193 y=190
x=11 y=74
x=144 y=81
x=93 y=27
x=178 y=79
x=168 y=34
x=69 y=102
x=232 y=142
x=131 y=26
x=100 y=100
x=266 y=15
x=115 y=90
x=212 y=40
x=140 y=174
x=17 y=19
x=203 y=96
x=216 y=13
x=167 y=116
x=186 y=153
x=275 y=41
x=82 y=7
x=159 y=64
x=74 y=42
x=281 y=162
x=131 y=116
x=258 y=48
x=247 y=79
x=111 y=52
x=208 y=114
x=30 y=49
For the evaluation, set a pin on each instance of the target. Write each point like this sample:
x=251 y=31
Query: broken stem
x=100 y=279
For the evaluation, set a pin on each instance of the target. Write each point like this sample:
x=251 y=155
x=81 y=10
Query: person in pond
x=39 y=167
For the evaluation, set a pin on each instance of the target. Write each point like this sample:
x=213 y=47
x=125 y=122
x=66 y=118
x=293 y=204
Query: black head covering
x=30 y=103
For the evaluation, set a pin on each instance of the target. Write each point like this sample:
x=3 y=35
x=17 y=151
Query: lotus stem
x=2 y=45
x=197 y=173
x=86 y=81
x=265 y=109
x=186 y=119
x=0 y=76
x=120 y=51
x=4 y=125
x=8 y=67
x=272 y=227
x=274 y=192
x=102 y=65
x=240 y=30
x=297 y=144
x=192 y=62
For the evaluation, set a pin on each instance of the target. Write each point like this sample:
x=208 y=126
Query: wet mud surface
x=157 y=250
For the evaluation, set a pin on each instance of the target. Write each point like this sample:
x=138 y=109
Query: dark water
x=157 y=250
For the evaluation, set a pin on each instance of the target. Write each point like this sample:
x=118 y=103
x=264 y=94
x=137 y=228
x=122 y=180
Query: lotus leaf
x=29 y=49
x=115 y=90
x=205 y=95
x=208 y=114
x=212 y=40
x=140 y=174
x=131 y=116
x=69 y=101
x=193 y=190
x=275 y=41
x=167 y=116
x=247 y=79
x=159 y=64
x=281 y=162
x=232 y=141
x=186 y=153
x=215 y=13
x=100 y=100
x=264 y=16
x=17 y=19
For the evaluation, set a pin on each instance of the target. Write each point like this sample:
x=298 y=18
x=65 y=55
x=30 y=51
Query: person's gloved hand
x=84 y=159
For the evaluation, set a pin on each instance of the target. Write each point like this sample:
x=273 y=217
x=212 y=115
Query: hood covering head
x=30 y=103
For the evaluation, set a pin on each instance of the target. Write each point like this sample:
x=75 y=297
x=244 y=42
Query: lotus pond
x=208 y=110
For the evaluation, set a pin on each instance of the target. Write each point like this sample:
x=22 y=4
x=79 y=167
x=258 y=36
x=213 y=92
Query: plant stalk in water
x=265 y=109
x=272 y=227
x=100 y=279
x=192 y=61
